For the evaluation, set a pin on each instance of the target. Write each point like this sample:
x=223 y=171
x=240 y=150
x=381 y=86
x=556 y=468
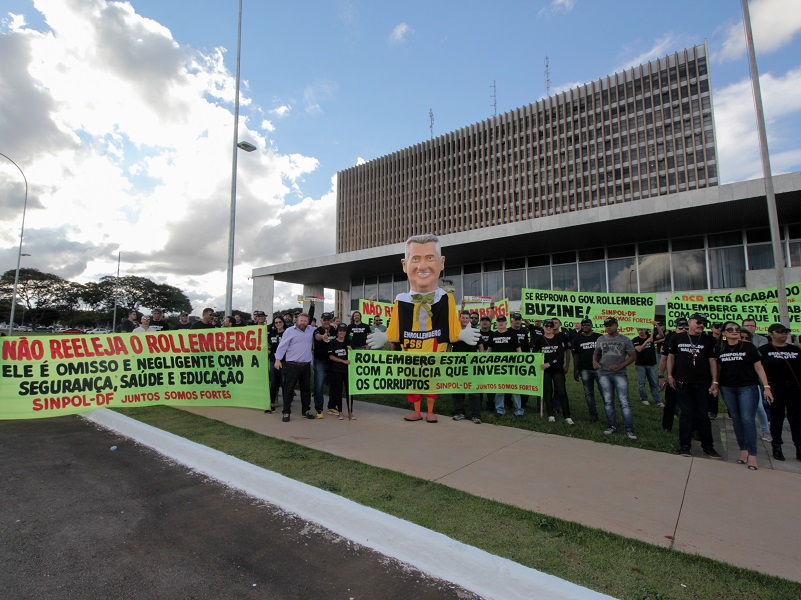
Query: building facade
x=645 y=132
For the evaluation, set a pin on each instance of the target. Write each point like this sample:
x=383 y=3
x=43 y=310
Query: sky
x=120 y=114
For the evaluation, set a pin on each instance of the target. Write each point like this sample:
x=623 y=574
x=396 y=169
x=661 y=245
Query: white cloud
x=556 y=6
x=400 y=33
x=663 y=46
x=125 y=138
x=774 y=23
x=735 y=120
x=281 y=111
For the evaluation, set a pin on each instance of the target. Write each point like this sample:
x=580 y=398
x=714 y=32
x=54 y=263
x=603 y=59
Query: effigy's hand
x=376 y=340
x=469 y=336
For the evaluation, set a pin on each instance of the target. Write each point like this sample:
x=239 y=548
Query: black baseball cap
x=501 y=318
x=586 y=321
x=327 y=316
x=701 y=318
x=516 y=315
x=157 y=310
x=682 y=322
x=610 y=321
x=548 y=323
x=342 y=327
x=717 y=325
x=259 y=313
x=778 y=328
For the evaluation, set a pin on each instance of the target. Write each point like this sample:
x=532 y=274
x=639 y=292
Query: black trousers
x=555 y=382
x=786 y=400
x=693 y=399
x=669 y=412
x=276 y=377
x=336 y=382
x=297 y=373
x=473 y=399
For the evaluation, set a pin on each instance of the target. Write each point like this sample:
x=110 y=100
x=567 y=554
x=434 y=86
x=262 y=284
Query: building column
x=314 y=290
x=263 y=293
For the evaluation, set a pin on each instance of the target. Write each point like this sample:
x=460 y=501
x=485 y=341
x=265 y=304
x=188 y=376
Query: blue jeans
x=741 y=402
x=609 y=384
x=648 y=372
x=588 y=379
x=761 y=414
x=320 y=374
x=501 y=410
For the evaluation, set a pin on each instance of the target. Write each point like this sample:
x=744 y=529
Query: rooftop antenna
x=494 y=99
x=547 y=77
x=431 y=122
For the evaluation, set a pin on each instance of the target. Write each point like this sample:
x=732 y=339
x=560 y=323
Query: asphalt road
x=80 y=520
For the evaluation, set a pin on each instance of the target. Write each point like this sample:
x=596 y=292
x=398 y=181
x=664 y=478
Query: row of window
x=715 y=261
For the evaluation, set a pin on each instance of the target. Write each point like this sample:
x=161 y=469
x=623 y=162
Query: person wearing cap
x=206 y=320
x=473 y=398
x=358 y=331
x=144 y=326
x=157 y=322
x=669 y=411
x=322 y=364
x=693 y=372
x=553 y=370
x=613 y=353
x=583 y=349
x=523 y=340
x=484 y=331
x=183 y=321
x=504 y=340
x=274 y=335
x=782 y=362
x=338 y=371
x=294 y=356
x=739 y=373
x=645 y=363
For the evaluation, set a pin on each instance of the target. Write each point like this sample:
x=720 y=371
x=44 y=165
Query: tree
x=133 y=293
x=36 y=289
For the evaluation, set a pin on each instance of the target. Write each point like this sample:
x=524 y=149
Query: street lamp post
x=247 y=147
x=19 y=252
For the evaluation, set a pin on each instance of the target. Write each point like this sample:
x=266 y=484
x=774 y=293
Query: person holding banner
x=274 y=336
x=782 y=362
x=739 y=375
x=424 y=319
x=322 y=336
x=472 y=397
x=692 y=372
x=613 y=353
x=583 y=350
x=505 y=340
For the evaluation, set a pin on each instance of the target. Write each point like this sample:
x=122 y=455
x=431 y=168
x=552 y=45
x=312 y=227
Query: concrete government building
x=609 y=187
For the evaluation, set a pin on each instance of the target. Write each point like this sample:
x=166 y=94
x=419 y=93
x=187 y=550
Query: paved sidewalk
x=714 y=508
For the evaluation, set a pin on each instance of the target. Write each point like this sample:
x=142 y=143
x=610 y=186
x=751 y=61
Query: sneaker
x=285 y=418
x=458 y=417
x=593 y=418
x=766 y=437
x=610 y=430
x=569 y=421
x=333 y=411
x=476 y=420
x=552 y=419
x=685 y=451
x=268 y=411
x=319 y=415
x=659 y=405
x=519 y=415
x=712 y=416
x=310 y=415
x=499 y=415
x=777 y=453
x=711 y=453
x=631 y=435
x=645 y=402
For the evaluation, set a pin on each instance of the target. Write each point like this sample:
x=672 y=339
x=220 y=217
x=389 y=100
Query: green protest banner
x=769 y=295
x=50 y=376
x=763 y=313
x=632 y=311
x=387 y=372
x=374 y=308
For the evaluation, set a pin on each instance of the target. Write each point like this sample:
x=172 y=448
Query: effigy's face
x=423 y=267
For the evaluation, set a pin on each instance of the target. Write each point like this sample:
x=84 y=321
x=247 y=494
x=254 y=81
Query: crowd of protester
x=692 y=367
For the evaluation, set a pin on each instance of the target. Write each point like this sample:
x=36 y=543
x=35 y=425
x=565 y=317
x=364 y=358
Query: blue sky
x=121 y=114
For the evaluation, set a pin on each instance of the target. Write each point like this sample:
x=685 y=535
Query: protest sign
x=302 y=299
x=764 y=314
x=770 y=295
x=374 y=308
x=632 y=311
x=49 y=376
x=381 y=372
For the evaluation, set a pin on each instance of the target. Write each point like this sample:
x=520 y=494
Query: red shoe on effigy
x=413 y=416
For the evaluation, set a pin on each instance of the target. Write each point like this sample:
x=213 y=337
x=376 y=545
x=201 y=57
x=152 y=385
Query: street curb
x=480 y=572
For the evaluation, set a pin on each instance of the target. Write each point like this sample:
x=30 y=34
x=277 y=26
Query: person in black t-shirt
x=485 y=330
x=157 y=322
x=739 y=376
x=692 y=372
x=473 y=398
x=322 y=336
x=129 y=324
x=553 y=369
x=504 y=340
x=206 y=320
x=645 y=364
x=276 y=375
x=358 y=331
x=782 y=362
x=583 y=348
x=338 y=373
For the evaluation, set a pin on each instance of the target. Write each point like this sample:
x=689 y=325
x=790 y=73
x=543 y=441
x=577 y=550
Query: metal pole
x=773 y=216
x=229 y=283
x=116 y=291
x=19 y=252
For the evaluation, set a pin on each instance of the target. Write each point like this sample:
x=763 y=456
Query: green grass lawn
x=602 y=561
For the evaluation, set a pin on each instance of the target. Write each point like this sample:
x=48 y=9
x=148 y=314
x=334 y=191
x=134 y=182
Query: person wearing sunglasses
x=740 y=372
x=782 y=362
x=669 y=412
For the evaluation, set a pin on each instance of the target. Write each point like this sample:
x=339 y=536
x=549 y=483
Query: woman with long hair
x=276 y=375
x=739 y=374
